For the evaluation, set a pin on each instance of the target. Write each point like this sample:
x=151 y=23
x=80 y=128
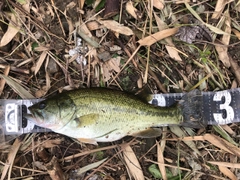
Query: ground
x=50 y=46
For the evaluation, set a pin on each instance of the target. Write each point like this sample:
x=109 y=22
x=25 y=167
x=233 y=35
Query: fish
x=105 y=115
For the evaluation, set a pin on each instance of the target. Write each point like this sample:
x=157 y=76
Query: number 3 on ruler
x=225 y=106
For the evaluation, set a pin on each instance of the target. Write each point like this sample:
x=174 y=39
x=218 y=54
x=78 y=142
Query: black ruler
x=220 y=107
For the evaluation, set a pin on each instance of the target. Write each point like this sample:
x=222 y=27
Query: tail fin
x=191 y=107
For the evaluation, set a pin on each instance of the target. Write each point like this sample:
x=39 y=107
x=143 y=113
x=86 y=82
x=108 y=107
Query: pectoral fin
x=149 y=133
x=86 y=120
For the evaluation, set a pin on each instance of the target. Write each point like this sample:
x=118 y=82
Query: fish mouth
x=35 y=116
x=32 y=118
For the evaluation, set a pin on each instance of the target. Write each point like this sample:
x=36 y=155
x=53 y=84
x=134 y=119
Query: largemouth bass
x=103 y=115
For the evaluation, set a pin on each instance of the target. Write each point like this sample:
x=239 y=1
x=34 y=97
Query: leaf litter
x=167 y=46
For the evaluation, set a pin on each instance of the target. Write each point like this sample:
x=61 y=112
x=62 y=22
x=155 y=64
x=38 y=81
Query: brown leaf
x=237 y=7
x=132 y=163
x=81 y=3
x=93 y=25
x=216 y=141
x=105 y=71
x=149 y=40
x=40 y=61
x=54 y=169
x=237 y=33
x=11 y=156
x=116 y=27
x=2 y=82
x=223 y=50
x=223 y=55
x=50 y=143
x=114 y=63
x=227 y=172
x=225 y=164
x=229 y=130
x=220 y=6
x=111 y=65
x=222 y=144
x=161 y=161
x=40 y=93
x=132 y=10
x=13 y=28
x=159 y=4
x=172 y=51
x=235 y=69
x=48 y=80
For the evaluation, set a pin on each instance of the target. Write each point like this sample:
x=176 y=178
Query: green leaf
x=22 y=2
x=180 y=133
x=89 y=2
x=212 y=28
x=34 y=45
x=154 y=170
x=224 y=134
x=100 y=6
x=194 y=13
x=89 y=167
x=99 y=155
x=88 y=39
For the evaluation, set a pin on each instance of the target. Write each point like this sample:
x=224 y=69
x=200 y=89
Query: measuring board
x=221 y=107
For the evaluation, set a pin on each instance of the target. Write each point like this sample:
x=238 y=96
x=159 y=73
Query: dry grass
x=135 y=47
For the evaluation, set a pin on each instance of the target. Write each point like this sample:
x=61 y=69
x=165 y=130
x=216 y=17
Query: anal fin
x=88 y=141
x=149 y=133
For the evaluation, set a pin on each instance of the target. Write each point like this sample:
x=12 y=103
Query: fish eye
x=42 y=105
